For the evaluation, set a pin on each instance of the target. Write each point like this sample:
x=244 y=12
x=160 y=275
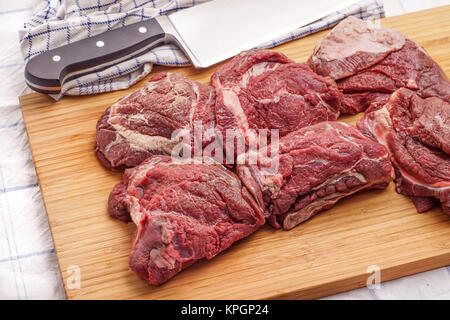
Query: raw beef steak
x=317 y=166
x=184 y=211
x=417 y=133
x=369 y=62
x=142 y=123
x=261 y=89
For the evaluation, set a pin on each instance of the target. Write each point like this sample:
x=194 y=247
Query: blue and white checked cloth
x=56 y=23
x=28 y=266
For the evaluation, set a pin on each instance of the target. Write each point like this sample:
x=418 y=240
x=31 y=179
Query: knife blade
x=207 y=33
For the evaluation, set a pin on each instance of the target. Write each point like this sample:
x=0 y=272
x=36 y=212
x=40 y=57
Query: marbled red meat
x=369 y=62
x=184 y=212
x=141 y=124
x=317 y=166
x=417 y=133
x=262 y=89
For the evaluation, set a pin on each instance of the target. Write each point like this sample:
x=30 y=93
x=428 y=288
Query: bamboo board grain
x=328 y=254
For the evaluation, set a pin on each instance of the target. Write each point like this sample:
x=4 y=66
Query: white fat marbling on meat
x=161 y=260
x=305 y=213
x=194 y=102
x=381 y=127
x=353 y=36
x=297 y=217
x=231 y=101
x=142 y=142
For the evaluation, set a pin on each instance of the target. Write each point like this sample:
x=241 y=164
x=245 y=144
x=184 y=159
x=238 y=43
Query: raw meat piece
x=142 y=123
x=317 y=166
x=184 y=211
x=261 y=89
x=417 y=133
x=369 y=62
x=356 y=102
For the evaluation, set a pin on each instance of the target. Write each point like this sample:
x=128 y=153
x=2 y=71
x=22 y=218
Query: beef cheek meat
x=184 y=211
x=416 y=132
x=369 y=62
x=316 y=166
x=263 y=90
x=145 y=122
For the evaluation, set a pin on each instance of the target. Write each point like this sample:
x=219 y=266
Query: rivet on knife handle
x=47 y=72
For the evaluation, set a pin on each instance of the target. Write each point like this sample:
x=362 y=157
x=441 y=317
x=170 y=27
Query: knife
x=207 y=33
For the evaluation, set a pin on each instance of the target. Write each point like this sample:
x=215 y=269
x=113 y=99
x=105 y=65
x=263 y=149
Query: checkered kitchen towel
x=58 y=22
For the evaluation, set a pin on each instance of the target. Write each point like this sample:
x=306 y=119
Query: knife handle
x=47 y=72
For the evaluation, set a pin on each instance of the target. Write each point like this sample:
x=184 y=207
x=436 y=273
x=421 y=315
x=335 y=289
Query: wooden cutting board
x=328 y=254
